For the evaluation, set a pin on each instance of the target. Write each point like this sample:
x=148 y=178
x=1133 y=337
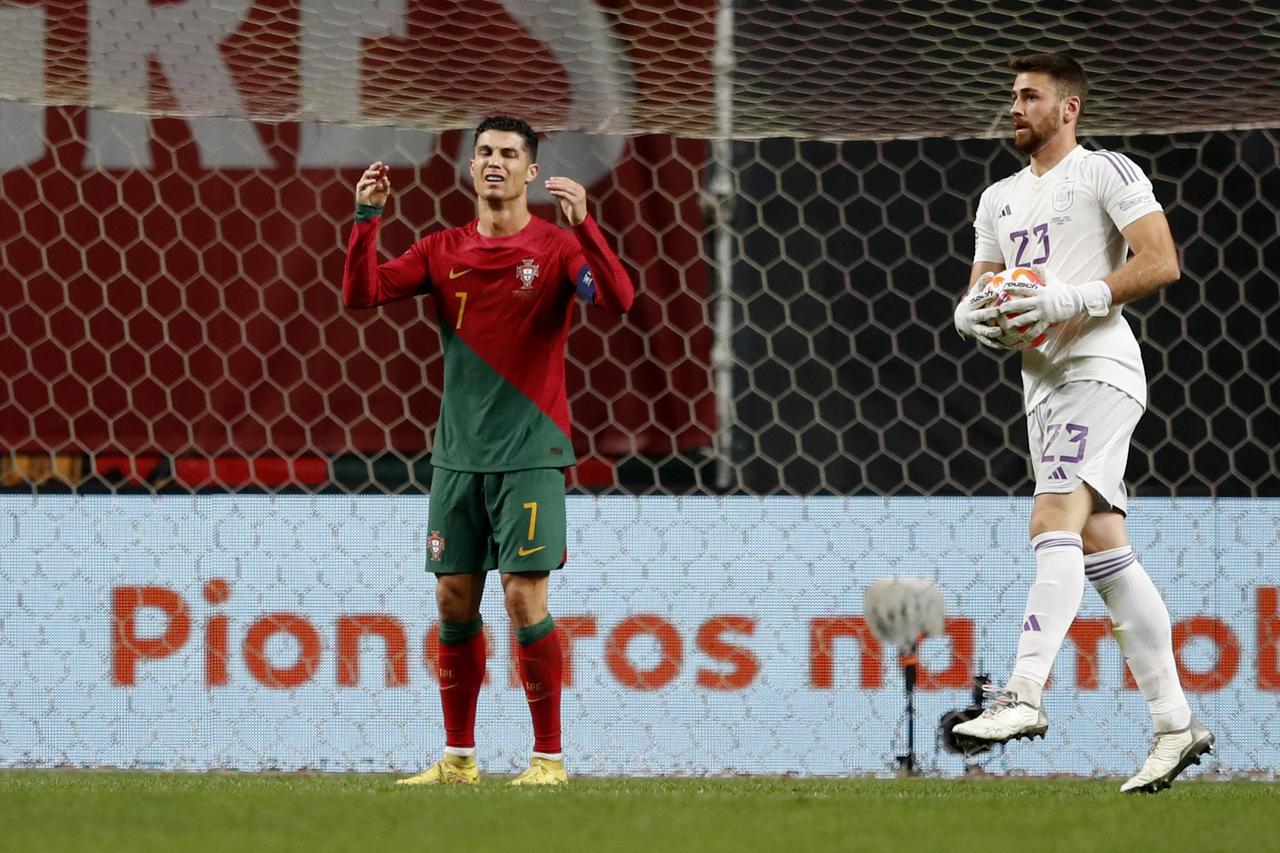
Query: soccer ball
x=1013 y=335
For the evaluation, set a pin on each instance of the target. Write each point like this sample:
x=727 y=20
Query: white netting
x=176 y=193
x=817 y=68
x=177 y=327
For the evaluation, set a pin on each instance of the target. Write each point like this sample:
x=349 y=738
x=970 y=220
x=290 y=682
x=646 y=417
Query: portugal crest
x=435 y=544
x=527 y=271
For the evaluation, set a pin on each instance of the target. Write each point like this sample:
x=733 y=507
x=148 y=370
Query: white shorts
x=1080 y=434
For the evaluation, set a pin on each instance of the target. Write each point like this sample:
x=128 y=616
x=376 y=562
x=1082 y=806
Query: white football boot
x=1171 y=753
x=1007 y=719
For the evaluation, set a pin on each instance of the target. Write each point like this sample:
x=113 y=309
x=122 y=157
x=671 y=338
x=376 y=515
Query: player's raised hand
x=374 y=186
x=572 y=196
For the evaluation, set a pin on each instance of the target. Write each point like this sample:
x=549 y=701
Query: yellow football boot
x=542 y=771
x=449 y=770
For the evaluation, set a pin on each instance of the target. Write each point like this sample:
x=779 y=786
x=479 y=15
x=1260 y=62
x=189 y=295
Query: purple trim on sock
x=1105 y=575
x=1094 y=561
x=1099 y=565
x=1097 y=573
x=1058 y=543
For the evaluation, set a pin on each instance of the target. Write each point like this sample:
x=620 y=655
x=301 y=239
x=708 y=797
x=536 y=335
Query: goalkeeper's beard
x=1037 y=137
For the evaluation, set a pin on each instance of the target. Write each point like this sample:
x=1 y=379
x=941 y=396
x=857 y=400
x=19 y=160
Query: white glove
x=1040 y=306
x=976 y=314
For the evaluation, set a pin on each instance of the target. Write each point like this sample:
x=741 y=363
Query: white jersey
x=1069 y=220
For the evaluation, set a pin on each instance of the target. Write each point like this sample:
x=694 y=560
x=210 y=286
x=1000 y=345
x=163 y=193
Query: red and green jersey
x=504 y=306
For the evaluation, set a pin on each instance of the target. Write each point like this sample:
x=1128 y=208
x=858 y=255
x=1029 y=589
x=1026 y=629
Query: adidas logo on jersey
x=1058 y=474
x=1004 y=211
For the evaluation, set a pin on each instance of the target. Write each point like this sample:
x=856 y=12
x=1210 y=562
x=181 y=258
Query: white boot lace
x=999 y=697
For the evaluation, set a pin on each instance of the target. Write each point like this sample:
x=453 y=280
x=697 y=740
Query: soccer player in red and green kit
x=504 y=288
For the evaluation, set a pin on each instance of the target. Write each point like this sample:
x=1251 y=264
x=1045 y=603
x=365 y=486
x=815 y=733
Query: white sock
x=1052 y=603
x=1141 y=623
x=460 y=751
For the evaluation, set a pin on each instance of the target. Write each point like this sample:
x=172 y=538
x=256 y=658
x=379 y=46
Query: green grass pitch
x=190 y=813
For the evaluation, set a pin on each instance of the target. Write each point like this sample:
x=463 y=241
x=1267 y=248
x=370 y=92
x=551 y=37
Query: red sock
x=461 y=671
x=541 y=667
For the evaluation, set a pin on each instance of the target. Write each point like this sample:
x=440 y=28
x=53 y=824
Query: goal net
x=215 y=477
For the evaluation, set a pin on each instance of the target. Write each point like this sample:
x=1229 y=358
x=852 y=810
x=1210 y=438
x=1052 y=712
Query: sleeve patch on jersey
x=1142 y=200
x=586 y=284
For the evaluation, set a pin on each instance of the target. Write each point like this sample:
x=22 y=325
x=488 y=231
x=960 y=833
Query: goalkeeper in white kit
x=1088 y=223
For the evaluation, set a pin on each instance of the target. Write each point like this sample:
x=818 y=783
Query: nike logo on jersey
x=524 y=552
x=457 y=273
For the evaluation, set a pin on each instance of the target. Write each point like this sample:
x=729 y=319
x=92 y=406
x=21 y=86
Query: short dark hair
x=1068 y=75
x=512 y=125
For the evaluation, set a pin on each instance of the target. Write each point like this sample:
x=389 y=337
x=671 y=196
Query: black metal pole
x=909 y=662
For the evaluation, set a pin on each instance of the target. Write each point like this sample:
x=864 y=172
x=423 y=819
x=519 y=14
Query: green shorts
x=512 y=521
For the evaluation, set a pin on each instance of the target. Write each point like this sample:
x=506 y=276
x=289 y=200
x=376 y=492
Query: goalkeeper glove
x=1039 y=306
x=975 y=315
